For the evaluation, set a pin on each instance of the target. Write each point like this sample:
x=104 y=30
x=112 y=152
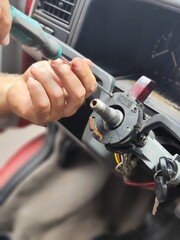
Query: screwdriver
x=104 y=90
x=100 y=87
x=29 y=33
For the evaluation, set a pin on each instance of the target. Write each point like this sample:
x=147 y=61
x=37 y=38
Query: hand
x=5 y=22
x=51 y=91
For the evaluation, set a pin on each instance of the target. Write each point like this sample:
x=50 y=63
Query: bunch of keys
x=166 y=171
x=160 y=191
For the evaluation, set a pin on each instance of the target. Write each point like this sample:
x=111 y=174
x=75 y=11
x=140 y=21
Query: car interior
x=135 y=49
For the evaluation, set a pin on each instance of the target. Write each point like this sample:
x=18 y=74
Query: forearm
x=6 y=81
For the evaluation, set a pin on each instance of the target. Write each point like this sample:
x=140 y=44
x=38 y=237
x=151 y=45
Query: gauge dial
x=166 y=59
x=161 y=46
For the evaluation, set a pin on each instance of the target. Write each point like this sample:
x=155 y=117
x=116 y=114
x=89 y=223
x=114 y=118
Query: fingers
x=5 y=22
x=82 y=69
x=71 y=82
x=19 y=101
x=30 y=101
x=88 y=61
x=40 y=102
x=78 y=81
x=32 y=104
x=39 y=66
x=53 y=90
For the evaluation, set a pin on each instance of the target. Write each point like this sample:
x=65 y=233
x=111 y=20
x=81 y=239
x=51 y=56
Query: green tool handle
x=29 y=33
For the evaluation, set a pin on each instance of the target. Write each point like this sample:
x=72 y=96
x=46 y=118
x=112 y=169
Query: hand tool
x=29 y=33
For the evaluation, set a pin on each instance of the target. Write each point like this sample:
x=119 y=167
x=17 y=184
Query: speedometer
x=166 y=58
x=161 y=46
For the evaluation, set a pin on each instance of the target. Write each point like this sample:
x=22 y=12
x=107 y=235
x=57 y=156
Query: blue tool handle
x=29 y=33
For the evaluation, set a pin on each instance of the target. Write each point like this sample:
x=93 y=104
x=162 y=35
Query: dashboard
x=126 y=38
x=159 y=54
x=136 y=39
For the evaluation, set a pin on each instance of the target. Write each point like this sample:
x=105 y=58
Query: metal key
x=156 y=204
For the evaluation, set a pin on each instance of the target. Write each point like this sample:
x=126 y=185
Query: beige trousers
x=77 y=202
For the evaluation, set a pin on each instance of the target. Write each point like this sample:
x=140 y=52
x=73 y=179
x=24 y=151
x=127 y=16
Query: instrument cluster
x=159 y=53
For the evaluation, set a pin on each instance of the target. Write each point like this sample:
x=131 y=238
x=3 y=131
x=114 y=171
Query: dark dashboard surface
x=134 y=38
x=159 y=54
x=126 y=38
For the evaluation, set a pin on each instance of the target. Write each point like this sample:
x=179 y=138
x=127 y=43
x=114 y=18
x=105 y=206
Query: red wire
x=148 y=185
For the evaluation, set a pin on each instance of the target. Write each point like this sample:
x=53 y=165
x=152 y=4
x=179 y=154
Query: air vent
x=61 y=10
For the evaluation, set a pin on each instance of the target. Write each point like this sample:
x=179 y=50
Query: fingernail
x=6 y=40
x=34 y=65
x=57 y=61
x=76 y=64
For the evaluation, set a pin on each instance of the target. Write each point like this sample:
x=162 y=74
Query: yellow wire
x=116 y=156
x=119 y=161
